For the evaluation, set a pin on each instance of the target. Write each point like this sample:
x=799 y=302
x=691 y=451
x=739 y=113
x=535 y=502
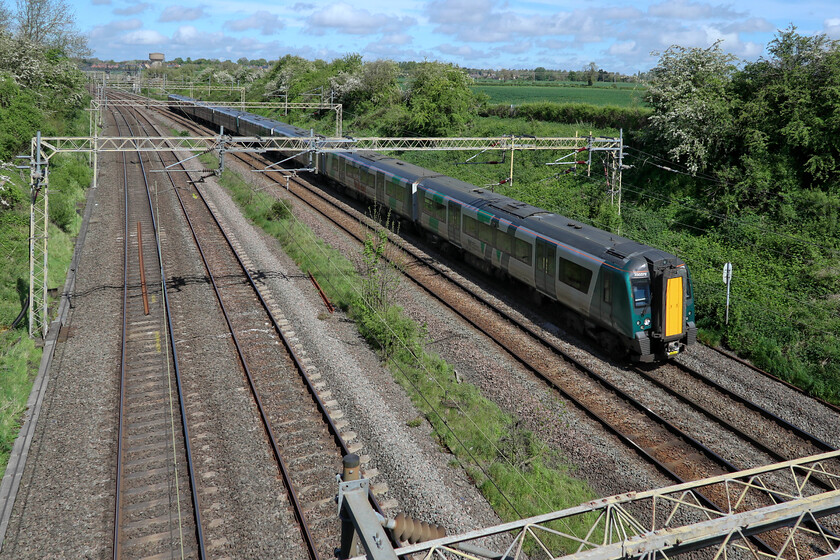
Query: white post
x=727 y=279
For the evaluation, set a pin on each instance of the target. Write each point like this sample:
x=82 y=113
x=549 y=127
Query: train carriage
x=625 y=294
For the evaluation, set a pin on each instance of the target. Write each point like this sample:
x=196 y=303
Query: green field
x=516 y=94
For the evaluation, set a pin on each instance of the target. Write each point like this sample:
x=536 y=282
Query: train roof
x=603 y=245
x=390 y=165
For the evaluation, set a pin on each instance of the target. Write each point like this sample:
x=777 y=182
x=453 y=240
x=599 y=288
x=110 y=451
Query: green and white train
x=630 y=297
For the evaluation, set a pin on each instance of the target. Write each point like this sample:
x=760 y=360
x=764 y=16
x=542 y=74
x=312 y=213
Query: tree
x=591 y=73
x=790 y=106
x=5 y=17
x=692 y=108
x=440 y=101
x=50 y=23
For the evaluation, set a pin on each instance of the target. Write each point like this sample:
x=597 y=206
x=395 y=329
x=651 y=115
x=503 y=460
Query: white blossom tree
x=5 y=18
x=50 y=23
x=691 y=104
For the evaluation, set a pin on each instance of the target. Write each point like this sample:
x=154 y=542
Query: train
x=634 y=300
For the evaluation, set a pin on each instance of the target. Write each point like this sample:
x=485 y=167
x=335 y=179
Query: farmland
x=595 y=95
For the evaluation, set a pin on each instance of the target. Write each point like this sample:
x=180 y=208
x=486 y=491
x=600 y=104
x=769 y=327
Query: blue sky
x=557 y=34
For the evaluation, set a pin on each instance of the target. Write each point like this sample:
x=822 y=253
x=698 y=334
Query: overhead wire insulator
x=412 y=531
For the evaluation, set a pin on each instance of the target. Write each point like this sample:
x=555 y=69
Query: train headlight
x=647 y=322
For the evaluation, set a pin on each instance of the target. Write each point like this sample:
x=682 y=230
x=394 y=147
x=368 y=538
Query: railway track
x=306 y=443
x=156 y=510
x=663 y=444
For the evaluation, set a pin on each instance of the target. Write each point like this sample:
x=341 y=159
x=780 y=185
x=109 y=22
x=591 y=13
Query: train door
x=605 y=297
x=672 y=303
x=454 y=220
x=546 y=266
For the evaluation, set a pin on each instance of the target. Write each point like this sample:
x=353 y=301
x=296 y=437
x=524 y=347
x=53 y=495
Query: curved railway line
x=660 y=442
x=305 y=442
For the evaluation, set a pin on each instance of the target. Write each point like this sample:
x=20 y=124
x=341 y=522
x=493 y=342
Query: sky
x=624 y=36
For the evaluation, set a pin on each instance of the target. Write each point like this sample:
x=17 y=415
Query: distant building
x=156 y=59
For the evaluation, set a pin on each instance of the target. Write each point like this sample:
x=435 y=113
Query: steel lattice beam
x=38 y=239
x=148 y=102
x=53 y=145
x=643 y=524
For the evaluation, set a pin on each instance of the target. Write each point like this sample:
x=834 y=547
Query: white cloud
x=344 y=18
x=181 y=13
x=133 y=9
x=625 y=48
x=189 y=35
x=464 y=51
x=622 y=14
x=515 y=48
x=751 y=25
x=114 y=28
x=144 y=37
x=396 y=39
x=832 y=27
x=266 y=22
x=684 y=10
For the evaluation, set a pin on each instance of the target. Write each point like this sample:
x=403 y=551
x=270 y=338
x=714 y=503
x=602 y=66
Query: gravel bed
x=414 y=470
x=411 y=473
x=796 y=408
x=245 y=512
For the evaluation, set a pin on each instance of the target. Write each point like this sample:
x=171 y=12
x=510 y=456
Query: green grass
x=19 y=357
x=497 y=453
x=19 y=360
x=517 y=95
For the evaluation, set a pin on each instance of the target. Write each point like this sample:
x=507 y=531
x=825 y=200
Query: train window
x=392 y=188
x=470 y=226
x=522 y=251
x=574 y=275
x=641 y=293
x=485 y=232
x=504 y=241
x=607 y=287
x=435 y=209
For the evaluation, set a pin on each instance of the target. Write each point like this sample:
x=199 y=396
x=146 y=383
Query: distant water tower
x=156 y=59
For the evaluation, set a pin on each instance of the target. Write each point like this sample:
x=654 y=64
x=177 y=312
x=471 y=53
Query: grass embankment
x=19 y=356
x=518 y=474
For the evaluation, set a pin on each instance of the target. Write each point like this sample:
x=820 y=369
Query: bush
x=68 y=179
x=280 y=210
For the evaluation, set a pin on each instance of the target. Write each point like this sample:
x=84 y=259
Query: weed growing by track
x=18 y=361
x=518 y=474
